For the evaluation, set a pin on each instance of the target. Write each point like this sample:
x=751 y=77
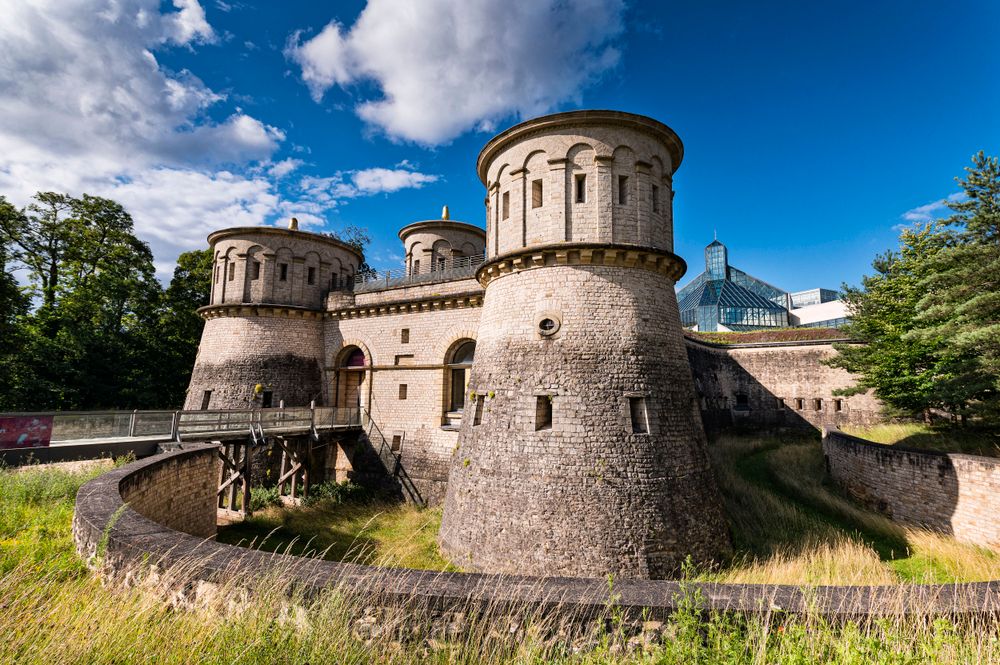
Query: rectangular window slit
x=402 y=391
x=478 y=416
x=536 y=193
x=232 y=271
x=404 y=336
x=254 y=270
x=799 y=403
x=623 y=190
x=838 y=405
x=543 y=412
x=818 y=404
x=637 y=411
x=655 y=196
x=397 y=442
x=581 y=187
x=780 y=403
x=506 y=205
x=311 y=276
x=206 y=398
x=283 y=272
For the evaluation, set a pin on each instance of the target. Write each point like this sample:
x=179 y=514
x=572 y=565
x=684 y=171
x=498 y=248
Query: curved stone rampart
x=126 y=541
x=955 y=494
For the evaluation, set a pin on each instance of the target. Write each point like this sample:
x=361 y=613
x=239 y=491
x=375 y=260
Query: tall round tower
x=582 y=451
x=264 y=323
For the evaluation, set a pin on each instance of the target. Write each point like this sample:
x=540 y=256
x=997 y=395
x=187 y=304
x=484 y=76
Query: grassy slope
x=55 y=611
x=969 y=440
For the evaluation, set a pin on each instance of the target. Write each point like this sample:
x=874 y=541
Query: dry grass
x=54 y=611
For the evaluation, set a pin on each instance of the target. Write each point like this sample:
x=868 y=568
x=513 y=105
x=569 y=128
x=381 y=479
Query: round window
x=548 y=325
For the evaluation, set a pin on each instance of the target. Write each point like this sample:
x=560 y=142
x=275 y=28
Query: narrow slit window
x=416 y=266
x=402 y=391
x=780 y=403
x=543 y=412
x=623 y=190
x=838 y=405
x=506 y=205
x=283 y=272
x=477 y=418
x=311 y=276
x=397 y=442
x=216 y=274
x=655 y=196
x=206 y=399
x=799 y=404
x=637 y=411
x=581 y=188
x=404 y=336
x=536 y=193
x=818 y=404
x=255 y=270
x=232 y=271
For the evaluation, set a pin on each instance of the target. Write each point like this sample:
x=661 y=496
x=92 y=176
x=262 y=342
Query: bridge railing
x=38 y=429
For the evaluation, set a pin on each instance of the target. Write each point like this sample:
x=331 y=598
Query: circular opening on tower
x=548 y=325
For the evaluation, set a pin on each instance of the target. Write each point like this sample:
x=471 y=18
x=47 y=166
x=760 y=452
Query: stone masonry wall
x=417 y=417
x=179 y=493
x=588 y=494
x=774 y=386
x=955 y=494
x=284 y=353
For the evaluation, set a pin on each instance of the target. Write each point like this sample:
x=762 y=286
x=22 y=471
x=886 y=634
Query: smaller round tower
x=436 y=244
x=264 y=321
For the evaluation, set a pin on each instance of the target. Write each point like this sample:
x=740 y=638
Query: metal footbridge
x=62 y=435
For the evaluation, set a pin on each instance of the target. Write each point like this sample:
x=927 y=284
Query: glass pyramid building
x=724 y=298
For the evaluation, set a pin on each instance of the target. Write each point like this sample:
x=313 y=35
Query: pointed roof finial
x=715 y=234
x=294 y=224
x=445 y=214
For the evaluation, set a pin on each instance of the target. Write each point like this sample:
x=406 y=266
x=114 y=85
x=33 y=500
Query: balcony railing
x=443 y=270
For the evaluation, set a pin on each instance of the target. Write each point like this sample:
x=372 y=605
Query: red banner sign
x=25 y=432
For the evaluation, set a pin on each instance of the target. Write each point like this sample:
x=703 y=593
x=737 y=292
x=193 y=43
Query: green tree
x=961 y=295
x=358 y=238
x=13 y=307
x=91 y=341
x=902 y=371
x=180 y=325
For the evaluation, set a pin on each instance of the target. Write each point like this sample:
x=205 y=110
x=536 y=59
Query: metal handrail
x=435 y=271
x=83 y=426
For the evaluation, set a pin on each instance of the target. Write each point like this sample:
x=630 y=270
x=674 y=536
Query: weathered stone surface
x=955 y=494
x=585 y=453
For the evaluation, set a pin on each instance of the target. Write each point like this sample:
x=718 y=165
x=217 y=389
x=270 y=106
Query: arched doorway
x=459 y=362
x=350 y=376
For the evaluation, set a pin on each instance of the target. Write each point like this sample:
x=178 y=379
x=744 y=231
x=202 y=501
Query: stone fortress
x=533 y=377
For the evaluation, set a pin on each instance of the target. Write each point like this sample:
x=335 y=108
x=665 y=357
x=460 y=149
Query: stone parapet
x=958 y=495
x=112 y=534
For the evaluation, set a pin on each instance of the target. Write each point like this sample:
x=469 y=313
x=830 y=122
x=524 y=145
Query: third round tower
x=581 y=451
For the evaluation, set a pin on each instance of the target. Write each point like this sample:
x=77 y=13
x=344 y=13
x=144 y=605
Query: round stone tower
x=435 y=244
x=582 y=451
x=263 y=337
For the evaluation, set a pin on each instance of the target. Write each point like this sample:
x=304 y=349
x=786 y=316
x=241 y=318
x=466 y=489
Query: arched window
x=459 y=363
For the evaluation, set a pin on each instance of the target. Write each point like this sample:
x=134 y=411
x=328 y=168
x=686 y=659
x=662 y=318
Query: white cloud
x=932 y=210
x=446 y=66
x=284 y=167
x=365 y=182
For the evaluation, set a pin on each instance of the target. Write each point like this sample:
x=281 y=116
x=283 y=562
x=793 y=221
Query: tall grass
x=52 y=610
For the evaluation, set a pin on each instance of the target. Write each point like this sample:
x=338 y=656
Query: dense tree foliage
x=930 y=316
x=102 y=333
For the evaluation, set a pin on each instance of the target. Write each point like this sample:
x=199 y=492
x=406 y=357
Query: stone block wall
x=279 y=348
x=778 y=385
x=958 y=495
x=420 y=364
x=179 y=492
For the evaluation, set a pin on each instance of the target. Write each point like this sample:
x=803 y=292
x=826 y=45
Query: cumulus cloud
x=364 y=182
x=932 y=210
x=446 y=66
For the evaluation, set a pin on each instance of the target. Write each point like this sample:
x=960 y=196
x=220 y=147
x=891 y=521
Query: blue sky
x=812 y=129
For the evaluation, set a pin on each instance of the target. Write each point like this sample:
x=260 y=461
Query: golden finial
x=445 y=214
x=294 y=224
